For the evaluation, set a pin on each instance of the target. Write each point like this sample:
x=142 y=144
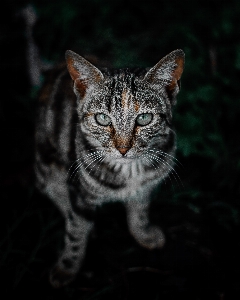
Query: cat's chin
x=124 y=160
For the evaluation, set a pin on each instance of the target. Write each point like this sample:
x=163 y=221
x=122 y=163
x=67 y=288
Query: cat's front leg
x=148 y=236
x=76 y=236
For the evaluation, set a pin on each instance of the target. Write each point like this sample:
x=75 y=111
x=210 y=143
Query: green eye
x=144 y=119
x=103 y=119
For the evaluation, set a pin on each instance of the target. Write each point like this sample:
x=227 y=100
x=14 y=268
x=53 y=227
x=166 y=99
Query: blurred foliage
x=202 y=216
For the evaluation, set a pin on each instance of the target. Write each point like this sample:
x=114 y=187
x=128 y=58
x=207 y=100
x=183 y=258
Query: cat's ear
x=83 y=73
x=167 y=73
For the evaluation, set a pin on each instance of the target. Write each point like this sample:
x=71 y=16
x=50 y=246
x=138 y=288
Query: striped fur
x=81 y=164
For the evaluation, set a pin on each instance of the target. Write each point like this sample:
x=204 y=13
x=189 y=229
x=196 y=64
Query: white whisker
x=166 y=154
x=152 y=157
x=93 y=160
x=87 y=157
x=150 y=160
x=101 y=158
x=170 y=168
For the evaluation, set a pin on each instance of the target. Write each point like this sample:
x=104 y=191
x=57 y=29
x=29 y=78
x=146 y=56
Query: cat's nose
x=123 y=149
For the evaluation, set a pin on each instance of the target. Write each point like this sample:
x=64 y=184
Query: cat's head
x=126 y=112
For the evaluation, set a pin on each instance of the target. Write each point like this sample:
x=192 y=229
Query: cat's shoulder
x=56 y=81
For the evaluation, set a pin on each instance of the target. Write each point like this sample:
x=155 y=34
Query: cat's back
x=57 y=84
x=55 y=123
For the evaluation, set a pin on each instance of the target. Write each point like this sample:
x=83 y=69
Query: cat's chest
x=121 y=181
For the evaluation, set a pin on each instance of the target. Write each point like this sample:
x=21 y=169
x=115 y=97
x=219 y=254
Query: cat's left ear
x=82 y=72
x=167 y=73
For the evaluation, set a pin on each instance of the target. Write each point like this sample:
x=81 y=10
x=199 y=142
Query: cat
x=104 y=135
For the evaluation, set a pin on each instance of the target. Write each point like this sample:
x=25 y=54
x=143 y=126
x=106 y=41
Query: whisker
x=167 y=154
x=100 y=161
x=79 y=165
x=161 y=161
x=153 y=158
x=149 y=160
x=93 y=149
x=171 y=169
x=85 y=167
x=96 y=158
x=85 y=156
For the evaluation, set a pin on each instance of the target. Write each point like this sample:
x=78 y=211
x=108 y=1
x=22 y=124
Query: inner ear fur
x=168 y=72
x=82 y=72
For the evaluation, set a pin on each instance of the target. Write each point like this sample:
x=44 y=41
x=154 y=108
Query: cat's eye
x=144 y=119
x=103 y=119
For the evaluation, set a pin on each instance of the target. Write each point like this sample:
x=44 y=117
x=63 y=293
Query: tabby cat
x=105 y=135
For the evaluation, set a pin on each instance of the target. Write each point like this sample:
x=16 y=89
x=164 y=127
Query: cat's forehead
x=125 y=90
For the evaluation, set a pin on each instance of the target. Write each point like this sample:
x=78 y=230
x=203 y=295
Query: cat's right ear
x=82 y=72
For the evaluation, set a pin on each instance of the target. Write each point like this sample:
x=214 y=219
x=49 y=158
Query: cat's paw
x=61 y=276
x=150 y=238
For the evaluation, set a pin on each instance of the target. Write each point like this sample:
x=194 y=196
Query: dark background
x=200 y=216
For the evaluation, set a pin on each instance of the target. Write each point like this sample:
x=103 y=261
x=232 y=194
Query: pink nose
x=123 y=150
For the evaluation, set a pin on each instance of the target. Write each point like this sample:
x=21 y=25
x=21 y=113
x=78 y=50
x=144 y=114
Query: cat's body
x=107 y=138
